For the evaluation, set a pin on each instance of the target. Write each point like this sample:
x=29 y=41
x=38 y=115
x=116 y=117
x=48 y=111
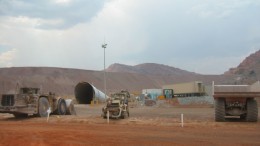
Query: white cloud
x=30 y=23
x=63 y=2
x=68 y=11
x=78 y=46
x=6 y=58
x=221 y=8
x=136 y=32
x=211 y=65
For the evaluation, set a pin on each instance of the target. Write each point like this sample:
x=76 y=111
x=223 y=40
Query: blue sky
x=202 y=36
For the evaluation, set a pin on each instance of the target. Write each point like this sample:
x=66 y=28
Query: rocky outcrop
x=148 y=69
x=248 y=71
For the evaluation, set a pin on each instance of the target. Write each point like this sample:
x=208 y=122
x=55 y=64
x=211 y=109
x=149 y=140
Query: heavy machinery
x=117 y=105
x=29 y=101
x=236 y=101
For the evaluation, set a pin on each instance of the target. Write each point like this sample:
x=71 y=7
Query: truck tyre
x=252 y=111
x=103 y=115
x=71 y=109
x=220 y=110
x=19 y=115
x=124 y=115
x=128 y=112
x=44 y=105
x=61 y=107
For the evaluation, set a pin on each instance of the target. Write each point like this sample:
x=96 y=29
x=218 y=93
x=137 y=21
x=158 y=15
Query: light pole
x=105 y=88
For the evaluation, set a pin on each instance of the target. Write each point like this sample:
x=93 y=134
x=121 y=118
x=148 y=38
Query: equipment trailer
x=236 y=101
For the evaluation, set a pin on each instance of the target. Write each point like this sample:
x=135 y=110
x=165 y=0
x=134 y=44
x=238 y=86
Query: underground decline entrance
x=84 y=93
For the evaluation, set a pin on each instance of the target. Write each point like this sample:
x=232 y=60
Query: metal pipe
x=85 y=93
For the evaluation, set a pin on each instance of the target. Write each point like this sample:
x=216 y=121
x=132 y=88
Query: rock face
x=251 y=61
x=248 y=71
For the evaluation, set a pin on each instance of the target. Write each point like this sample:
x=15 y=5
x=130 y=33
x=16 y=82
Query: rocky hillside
x=134 y=78
x=247 y=71
x=148 y=69
x=63 y=81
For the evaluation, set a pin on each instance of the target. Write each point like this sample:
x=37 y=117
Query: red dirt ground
x=145 y=126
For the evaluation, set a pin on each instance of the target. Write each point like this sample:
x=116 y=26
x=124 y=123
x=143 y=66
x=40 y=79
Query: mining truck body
x=236 y=101
x=117 y=105
x=29 y=101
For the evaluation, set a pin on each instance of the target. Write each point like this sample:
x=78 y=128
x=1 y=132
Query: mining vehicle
x=29 y=101
x=117 y=105
x=236 y=101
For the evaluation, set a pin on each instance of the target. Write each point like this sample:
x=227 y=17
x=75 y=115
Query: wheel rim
x=43 y=107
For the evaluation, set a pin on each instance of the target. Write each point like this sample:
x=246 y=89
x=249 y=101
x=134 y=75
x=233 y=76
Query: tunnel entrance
x=84 y=93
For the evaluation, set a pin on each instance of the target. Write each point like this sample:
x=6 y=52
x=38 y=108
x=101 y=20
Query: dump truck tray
x=236 y=94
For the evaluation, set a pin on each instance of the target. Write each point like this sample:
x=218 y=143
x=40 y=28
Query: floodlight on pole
x=104 y=46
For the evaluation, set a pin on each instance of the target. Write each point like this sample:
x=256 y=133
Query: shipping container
x=195 y=88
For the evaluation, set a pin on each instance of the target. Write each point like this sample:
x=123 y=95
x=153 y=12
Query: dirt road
x=145 y=126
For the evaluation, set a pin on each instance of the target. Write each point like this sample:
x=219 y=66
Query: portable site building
x=152 y=93
x=195 y=88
